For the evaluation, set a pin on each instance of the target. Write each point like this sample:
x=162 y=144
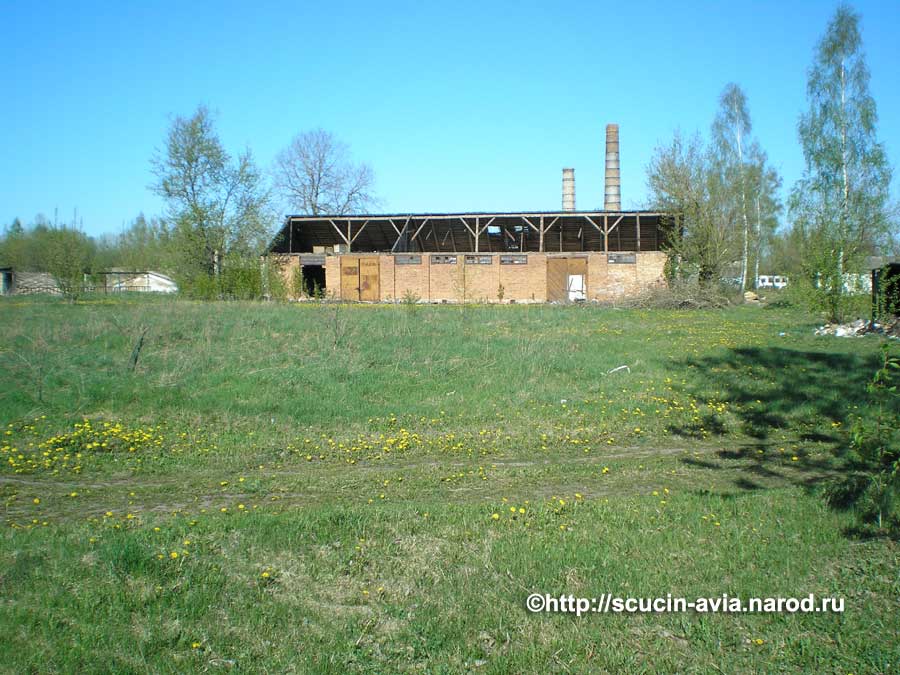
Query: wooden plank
x=338 y=230
x=416 y=234
x=557 y=279
x=361 y=228
x=368 y=279
x=349 y=278
x=637 y=228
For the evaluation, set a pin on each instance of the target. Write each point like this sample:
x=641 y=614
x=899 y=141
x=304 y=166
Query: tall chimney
x=568 y=190
x=612 y=200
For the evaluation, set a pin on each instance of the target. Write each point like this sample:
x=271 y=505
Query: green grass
x=335 y=470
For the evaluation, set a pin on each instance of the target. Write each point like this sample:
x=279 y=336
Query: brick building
x=474 y=257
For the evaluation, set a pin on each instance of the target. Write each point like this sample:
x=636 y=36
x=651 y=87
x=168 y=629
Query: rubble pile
x=860 y=327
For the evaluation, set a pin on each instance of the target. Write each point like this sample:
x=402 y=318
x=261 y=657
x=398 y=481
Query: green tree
x=838 y=206
x=217 y=206
x=684 y=180
x=67 y=254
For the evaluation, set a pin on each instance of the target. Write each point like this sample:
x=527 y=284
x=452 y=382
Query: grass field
x=333 y=488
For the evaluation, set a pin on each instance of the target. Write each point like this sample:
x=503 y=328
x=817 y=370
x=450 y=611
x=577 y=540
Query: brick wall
x=333 y=276
x=412 y=279
x=525 y=283
x=445 y=280
x=388 y=294
x=480 y=282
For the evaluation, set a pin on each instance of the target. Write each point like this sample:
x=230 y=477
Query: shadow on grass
x=773 y=392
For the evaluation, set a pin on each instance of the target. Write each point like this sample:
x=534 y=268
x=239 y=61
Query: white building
x=145 y=282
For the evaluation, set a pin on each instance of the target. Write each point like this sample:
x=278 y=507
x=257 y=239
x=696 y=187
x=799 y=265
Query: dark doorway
x=314 y=281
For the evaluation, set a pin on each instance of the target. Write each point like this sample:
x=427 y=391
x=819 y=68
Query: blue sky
x=457 y=106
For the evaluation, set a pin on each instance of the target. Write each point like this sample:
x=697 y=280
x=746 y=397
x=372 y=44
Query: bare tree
x=316 y=175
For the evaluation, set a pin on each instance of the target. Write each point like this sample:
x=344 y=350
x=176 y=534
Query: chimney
x=612 y=200
x=568 y=190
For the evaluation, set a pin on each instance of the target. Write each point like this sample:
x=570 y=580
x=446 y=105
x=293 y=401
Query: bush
x=873 y=486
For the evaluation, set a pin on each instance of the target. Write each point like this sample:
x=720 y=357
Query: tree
x=217 y=206
x=67 y=254
x=316 y=176
x=838 y=206
x=763 y=184
x=684 y=181
x=731 y=130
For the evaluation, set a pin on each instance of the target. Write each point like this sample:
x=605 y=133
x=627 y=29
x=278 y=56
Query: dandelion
x=173 y=555
x=241 y=507
x=495 y=516
x=36 y=500
x=195 y=645
x=265 y=575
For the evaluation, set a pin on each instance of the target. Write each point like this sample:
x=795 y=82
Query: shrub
x=872 y=486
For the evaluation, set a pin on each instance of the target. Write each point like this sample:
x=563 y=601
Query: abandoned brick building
x=558 y=256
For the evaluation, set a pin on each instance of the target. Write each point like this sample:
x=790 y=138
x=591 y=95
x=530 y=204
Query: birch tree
x=731 y=131
x=839 y=204
x=763 y=185
x=216 y=205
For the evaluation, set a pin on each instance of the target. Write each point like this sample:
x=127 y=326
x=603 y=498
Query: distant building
x=567 y=255
x=771 y=281
x=13 y=282
x=140 y=282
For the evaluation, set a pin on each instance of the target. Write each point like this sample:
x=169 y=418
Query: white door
x=576 y=287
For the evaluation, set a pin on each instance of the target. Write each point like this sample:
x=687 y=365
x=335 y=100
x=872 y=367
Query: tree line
x=221 y=211
x=723 y=193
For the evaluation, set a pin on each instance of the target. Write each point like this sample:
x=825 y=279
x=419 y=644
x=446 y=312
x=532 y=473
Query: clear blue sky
x=457 y=106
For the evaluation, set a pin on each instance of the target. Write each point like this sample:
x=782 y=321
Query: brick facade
x=433 y=281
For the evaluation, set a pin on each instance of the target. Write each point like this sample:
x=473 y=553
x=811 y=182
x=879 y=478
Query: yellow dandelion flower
x=173 y=555
x=495 y=516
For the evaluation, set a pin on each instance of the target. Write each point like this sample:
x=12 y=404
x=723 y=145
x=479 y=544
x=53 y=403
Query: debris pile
x=752 y=298
x=860 y=327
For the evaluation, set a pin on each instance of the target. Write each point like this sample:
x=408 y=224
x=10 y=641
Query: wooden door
x=349 y=278
x=368 y=279
x=557 y=277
